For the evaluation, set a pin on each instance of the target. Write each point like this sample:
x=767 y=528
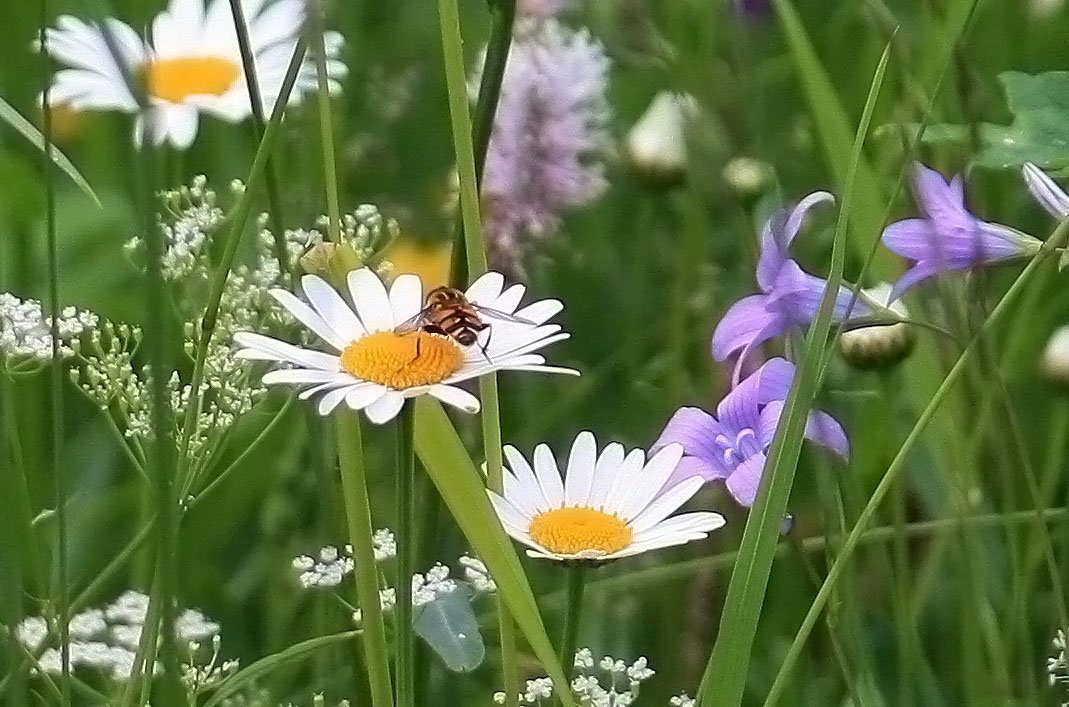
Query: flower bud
x=657 y=144
x=882 y=346
x=331 y=261
x=1054 y=364
x=746 y=176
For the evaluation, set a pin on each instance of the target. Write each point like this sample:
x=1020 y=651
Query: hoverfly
x=448 y=312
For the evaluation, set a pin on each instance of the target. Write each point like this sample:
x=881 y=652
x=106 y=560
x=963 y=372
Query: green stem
x=502 y=18
x=326 y=128
x=573 y=613
x=22 y=513
x=358 y=512
x=474 y=244
x=898 y=463
x=56 y=470
x=252 y=83
x=238 y=220
x=406 y=545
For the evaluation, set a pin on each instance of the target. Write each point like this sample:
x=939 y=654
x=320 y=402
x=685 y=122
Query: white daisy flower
x=191 y=63
x=372 y=367
x=607 y=506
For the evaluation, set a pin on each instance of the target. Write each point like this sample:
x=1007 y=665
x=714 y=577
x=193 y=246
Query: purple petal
x=745 y=481
x=779 y=231
x=766 y=427
x=748 y=323
x=1045 y=191
x=740 y=409
x=826 y=431
x=798 y=295
x=918 y=273
x=696 y=430
x=942 y=202
x=695 y=466
x=911 y=238
x=998 y=242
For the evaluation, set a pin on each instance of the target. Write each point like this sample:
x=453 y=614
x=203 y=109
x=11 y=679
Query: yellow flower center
x=175 y=80
x=572 y=530
x=402 y=361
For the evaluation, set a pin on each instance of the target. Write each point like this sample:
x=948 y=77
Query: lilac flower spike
x=948 y=237
x=1043 y=189
x=789 y=296
x=732 y=445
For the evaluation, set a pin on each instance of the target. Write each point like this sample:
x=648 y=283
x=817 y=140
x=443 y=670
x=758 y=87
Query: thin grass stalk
x=723 y=681
x=475 y=252
x=59 y=476
x=252 y=83
x=326 y=126
x=238 y=220
x=19 y=493
x=11 y=561
x=502 y=19
x=406 y=546
x=1056 y=240
x=366 y=576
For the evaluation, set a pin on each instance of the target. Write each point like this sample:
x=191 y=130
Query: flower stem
x=573 y=612
x=406 y=464
x=474 y=244
x=252 y=83
x=326 y=128
x=502 y=17
x=358 y=512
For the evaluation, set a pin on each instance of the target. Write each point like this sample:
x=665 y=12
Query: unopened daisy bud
x=747 y=176
x=330 y=261
x=1054 y=364
x=883 y=346
x=657 y=144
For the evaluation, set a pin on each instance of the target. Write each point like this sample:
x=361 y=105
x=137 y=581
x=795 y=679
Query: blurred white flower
x=26 y=332
x=190 y=64
x=657 y=144
x=1054 y=363
x=883 y=346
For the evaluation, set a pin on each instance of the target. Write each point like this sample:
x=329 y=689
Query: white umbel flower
x=374 y=368
x=657 y=144
x=191 y=63
x=607 y=506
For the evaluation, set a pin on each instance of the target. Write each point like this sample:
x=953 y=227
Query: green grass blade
x=834 y=127
x=266 y=666
x=452 y=471
x=725 y=675
x=12 y=117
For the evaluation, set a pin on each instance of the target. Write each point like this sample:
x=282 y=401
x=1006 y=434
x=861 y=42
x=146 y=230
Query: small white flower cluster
x=536 y=692
x=683 y=701
x=327 y=571
x=107 y=638
x=26 y=331
x=190 y=218
x=623 y=682
x=197 y=677
x=1058 y=666
x=477 y=574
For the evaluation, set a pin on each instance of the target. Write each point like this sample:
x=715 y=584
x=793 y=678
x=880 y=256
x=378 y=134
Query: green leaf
x=1038 y=133
x=834 y=127
x=724 y=681
x=27 y=129
x=447 y=462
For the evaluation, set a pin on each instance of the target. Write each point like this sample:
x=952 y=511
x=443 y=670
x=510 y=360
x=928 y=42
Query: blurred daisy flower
x=948 y=237
x=731 y=446
x=607 y=506
x=189 y=64
x=551 y=123
x=375 y=363
x=790 y=297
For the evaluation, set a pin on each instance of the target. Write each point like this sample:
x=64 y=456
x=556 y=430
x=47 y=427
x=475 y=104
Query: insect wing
x=413 y=323
x=503 y=316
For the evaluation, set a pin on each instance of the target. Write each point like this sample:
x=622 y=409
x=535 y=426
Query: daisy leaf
x=27 y=129
x=451 y=469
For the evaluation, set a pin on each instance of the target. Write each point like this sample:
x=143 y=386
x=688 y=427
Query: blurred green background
x=645 y=274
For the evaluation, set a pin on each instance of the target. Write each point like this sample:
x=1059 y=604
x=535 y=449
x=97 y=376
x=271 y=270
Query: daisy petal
x=545 y=467
x=457 y=397
x=371 y=300
x=580 y=472
x=385 y=408
x=330 y=306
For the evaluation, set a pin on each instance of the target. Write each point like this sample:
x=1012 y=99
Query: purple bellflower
x=790 y=297
x=754 y=9
x=732 y=445
x=948 y=237
x=1043 y=189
